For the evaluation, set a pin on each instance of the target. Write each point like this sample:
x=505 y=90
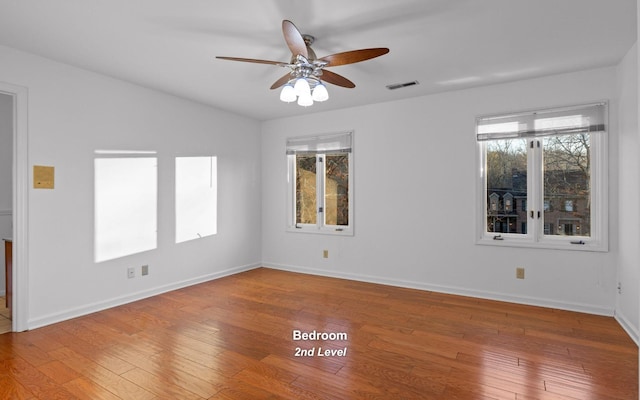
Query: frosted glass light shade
x=320 y=93
x=305 y=100
x=288 y=94
x=302 y=88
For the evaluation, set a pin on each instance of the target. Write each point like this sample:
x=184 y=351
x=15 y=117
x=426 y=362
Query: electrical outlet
x=131 y=272
x=520 y=273
x=325 y=253
x=144 y=270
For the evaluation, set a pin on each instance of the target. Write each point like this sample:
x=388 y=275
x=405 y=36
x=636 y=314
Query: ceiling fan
x=304 y=81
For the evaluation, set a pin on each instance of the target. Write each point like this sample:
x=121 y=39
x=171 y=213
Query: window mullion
x=320 y=189
x=291 y=189
x=534 y=189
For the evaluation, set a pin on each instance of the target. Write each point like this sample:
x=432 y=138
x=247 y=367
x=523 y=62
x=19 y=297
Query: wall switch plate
x=325 y=253
x=131 y=272
x=43 y=177
x=144 y=270
x=520 y=273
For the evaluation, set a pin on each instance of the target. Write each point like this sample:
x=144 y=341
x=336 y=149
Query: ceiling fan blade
x=253 y=60
x=281 y=81
x=294 y=39
x=339 y=80
x=354 y=56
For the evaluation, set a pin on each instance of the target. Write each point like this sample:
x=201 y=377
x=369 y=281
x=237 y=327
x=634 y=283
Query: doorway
x=14 y=200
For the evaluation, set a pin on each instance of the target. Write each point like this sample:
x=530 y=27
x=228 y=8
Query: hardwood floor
x=232 y=338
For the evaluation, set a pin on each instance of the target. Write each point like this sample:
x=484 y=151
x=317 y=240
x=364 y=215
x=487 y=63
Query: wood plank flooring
x=232 y=338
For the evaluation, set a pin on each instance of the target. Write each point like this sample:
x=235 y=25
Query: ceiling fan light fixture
x=301 y=87
x=320 y=92
x=303 y=81
x=288 y=94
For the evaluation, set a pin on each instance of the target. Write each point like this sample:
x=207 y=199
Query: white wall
x=415 y=171
x=6 y=190
x=629 y=193
x=73 y=112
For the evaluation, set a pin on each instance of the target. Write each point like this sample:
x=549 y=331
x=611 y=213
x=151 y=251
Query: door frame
x=20 y=210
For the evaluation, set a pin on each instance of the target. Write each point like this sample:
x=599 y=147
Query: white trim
x=526 y=300
x=2 y=293
x=628 y=327
x=117 y=301
x=20 y=232
x=333 y=230
x=559 y=243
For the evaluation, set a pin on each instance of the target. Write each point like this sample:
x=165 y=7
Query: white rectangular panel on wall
x=126 y=197
x=196 y=197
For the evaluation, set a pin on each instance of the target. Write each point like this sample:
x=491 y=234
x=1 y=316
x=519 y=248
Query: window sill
x=321 y=231
x=563 y=243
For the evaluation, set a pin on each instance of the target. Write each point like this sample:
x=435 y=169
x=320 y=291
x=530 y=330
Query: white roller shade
x=338 y=142
x=558 y=121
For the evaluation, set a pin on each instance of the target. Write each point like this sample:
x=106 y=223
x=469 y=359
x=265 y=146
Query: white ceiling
x=170 y=45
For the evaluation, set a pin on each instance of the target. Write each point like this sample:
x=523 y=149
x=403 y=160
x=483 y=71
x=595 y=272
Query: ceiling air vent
x=401 y=85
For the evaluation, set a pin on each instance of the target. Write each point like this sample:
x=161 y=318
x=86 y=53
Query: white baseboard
x=532 y=301
x=628 y=327
x=3 y=292
x=103 y=305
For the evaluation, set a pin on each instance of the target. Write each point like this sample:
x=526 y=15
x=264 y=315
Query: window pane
x=306 y=209
x=336 y=192
x=567 y=185
x=196 y=197
x=125 y=206
x=506 y=172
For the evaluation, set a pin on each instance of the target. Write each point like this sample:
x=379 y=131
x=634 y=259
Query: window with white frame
x=320 y=183
x=555 y=160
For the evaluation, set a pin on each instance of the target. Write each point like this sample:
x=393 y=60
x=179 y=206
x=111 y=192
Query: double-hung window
x=543 y=178
x=320 y=184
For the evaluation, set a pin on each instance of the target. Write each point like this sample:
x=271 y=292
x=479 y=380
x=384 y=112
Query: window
x=196 y=197
x=508 y=203
x=555 y=162
x=125 y=208
x=493 y=202
x=320 y=185
x=568 y=205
